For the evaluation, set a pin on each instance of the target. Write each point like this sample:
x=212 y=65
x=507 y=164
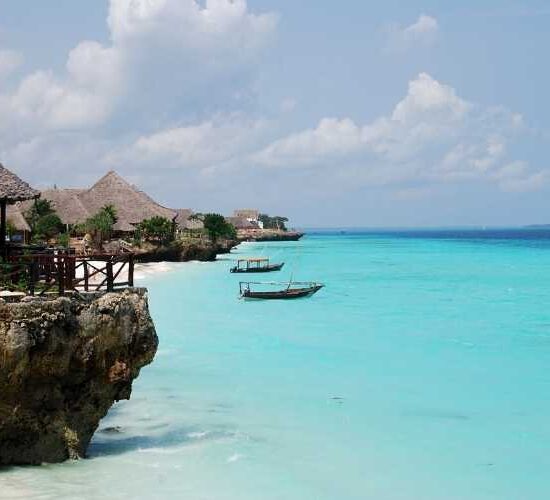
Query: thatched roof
x=247 y=213
x=132 y=205
x=67 y=204
x=124 y=226
x=15 y=216
x=13 y=189
x=241 y=223
x=184 y=221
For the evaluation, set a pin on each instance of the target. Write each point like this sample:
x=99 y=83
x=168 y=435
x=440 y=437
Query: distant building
x=187 y=220
x=249 y=214
x=242 y=223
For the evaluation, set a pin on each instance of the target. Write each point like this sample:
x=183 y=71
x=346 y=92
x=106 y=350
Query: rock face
x=63 y=363
x=269 y=235
x=185 y=252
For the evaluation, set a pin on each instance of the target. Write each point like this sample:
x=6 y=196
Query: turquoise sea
x=421 y=372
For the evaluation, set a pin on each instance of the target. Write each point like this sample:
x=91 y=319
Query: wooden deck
x=61 y=272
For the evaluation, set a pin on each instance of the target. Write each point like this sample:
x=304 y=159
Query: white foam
x=143 y=271
x=235 y=458
x=197 y=435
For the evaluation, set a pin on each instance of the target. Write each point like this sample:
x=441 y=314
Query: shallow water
x=419 y=372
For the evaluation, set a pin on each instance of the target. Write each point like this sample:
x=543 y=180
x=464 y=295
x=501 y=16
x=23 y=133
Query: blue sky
x=358 y=113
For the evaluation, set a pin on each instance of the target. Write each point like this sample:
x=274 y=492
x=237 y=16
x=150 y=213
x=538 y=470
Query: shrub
x=101 y=224
x=217 y=227
x=159 y=229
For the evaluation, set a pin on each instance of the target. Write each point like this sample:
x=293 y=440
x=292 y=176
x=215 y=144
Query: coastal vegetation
x=217 y=227
x=101 y=224
x=157 y=229
x=43 y=221
x=276 y=222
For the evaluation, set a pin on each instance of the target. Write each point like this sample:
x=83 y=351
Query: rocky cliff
x=182 y=251
x=63 y=363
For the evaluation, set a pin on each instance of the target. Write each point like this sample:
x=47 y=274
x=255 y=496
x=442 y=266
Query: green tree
x=276 y=222
x=101 y=224
x=217 y=227
x=40 y=208
x=64 y=240
x=43 y=220
x=159 y=229
x=47 y=226
x=111 y=211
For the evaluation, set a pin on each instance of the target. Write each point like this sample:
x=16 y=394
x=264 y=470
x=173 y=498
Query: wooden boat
x=256 y=265
x=293 y=290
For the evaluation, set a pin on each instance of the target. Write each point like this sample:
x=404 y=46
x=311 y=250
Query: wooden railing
x=39 y=274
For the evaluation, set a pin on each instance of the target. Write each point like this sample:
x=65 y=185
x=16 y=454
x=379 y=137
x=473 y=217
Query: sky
x=357 y=113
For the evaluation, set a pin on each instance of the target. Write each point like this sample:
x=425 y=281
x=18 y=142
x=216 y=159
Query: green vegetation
x=101 y=224
x=217 y=227
x=43 y=220
x=157 y=229
x=10 y=228
x=276 y=222
x=64 y=240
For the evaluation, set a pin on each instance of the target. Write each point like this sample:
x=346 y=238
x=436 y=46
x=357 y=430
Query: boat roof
x=253 y=259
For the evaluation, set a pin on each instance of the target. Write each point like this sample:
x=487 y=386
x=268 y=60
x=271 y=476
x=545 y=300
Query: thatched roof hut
x=13 y=189
x=185 y=220
x=132 y=205
x=67 y=204
x=17 y=219
x=241 y=223
x=247 y=213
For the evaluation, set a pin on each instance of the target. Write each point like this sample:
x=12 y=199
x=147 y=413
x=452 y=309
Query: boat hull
x=296 y=293
x=265 y=269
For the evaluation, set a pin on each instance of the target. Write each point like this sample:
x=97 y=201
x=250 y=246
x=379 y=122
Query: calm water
x=422 y=371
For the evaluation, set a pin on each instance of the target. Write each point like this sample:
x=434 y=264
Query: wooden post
x=61 y=275
x=3 y=226
x=131 y=270
x=86 y=276
x=109 y=267
x=70 y=270
x=32 y=277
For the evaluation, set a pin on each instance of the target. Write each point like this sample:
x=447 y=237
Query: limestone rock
x=63 y=363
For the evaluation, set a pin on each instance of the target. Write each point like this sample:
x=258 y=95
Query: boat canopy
x=253 y=259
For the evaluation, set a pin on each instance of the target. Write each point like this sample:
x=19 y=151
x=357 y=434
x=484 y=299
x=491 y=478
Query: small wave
x=161 y=451
x=144 y=271
x=198 y=434
x=234 y=458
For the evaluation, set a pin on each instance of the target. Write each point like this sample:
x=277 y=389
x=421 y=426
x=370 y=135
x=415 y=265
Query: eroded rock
x=63 y=363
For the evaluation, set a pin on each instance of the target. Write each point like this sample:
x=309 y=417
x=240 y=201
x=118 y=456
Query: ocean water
x=421 y=372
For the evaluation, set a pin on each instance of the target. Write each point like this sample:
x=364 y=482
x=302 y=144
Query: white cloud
x=423 y=32
x=332 y=137
x=161 y=50
x=518 y=177
x=429 y=111
x=423 y=26
x=432 y=134
x=204 y=145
